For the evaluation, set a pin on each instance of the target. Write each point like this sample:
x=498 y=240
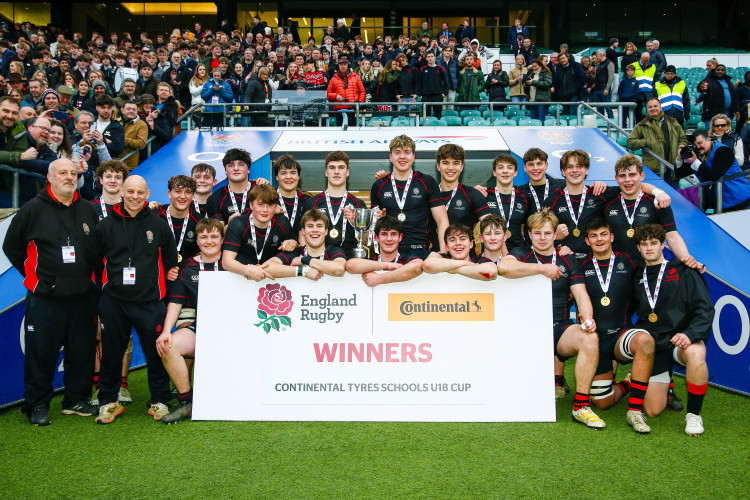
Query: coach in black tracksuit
x=47 y=242
x=138 y=251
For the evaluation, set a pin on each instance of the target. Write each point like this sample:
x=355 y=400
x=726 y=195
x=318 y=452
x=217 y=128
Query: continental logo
x=441 y=307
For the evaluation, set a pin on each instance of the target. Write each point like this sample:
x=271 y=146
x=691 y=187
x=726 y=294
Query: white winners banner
x=437 y=348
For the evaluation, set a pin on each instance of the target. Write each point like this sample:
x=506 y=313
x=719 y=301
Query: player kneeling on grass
x=458 y=260
x=570 y=339
x=313 y=260
x=609 y=283
x=674 y=304
x=388 y=266
x=175 y=347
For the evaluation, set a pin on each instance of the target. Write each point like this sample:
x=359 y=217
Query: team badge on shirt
x=150 y=236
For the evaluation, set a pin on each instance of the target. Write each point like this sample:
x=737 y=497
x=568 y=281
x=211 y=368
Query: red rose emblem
x=672 y=271
x=275 y=299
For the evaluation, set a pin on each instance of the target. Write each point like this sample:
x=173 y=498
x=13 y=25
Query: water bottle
x=76 y=154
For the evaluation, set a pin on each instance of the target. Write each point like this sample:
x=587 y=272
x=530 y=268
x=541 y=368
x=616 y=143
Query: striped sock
x=638 y=392
x=624 y=385
x=560 y=380
x=124 y=382
x=96 y=380
x=695 y=397
x=580 y=400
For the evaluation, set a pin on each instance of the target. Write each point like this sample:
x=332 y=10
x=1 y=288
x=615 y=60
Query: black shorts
x=664 y=360
x=557 y=330
x=607 y=345
x=420 y=253
x=190 y=327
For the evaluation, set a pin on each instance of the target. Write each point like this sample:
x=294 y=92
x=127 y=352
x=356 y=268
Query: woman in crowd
x=631 y=56
x=292 y=78
x=196 y=84
x=388 y=84
x=721 y=131
x=69 y=79
x=81 y=94
x=59 y=140
x=17 y=95
x=496 y=83
x=590 y=72
x=237 y=82
x=538 y=84
x=368 y=77
x=515 y=79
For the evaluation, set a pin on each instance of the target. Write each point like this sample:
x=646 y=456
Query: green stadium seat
x=701 y=125
x=430 y=121
x=693 y=121
x=535 y=123
x=512 y=113
x=573 y=122
x=403 y=121
x=482 y=109
x=504 y=122
x=600 y=122
x=439 y=123
x=524 y=122
x=486 y=114
x=449 y=112
x=384 y=120
x=331 y=122
x=451 y=120
x=622 y=141
x=471 y=112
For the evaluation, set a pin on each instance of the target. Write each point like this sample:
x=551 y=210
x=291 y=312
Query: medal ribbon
x=294 y=210
x=500 y=204
x=255 y=243
x=401 y=201
x=604 y=284
x=553 y=261
x=652 y=301
x=631 y=218
x=573 y=216
x=202 y=268
x=184 y=228
x=335 y=220
x=447 y=205
x=320 y=257
x=536 y=197
x=234 y=201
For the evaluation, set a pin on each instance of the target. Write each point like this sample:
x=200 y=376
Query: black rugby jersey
x=239 y=238
x=346 y=234
x=618 y=313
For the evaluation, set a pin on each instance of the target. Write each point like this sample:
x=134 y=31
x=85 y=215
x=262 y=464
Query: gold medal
x=334 y=233
x=653 y=318
x=401 y=217
x=576 y=232
x=179 y=258
x=631 y=232
x=605 y=301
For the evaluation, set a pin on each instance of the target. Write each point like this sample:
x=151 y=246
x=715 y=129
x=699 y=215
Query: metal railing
x=17 y=173
x=233 y=113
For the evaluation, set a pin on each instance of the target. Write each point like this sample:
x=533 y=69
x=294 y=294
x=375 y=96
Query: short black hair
x=388 y=223
x=236 y=154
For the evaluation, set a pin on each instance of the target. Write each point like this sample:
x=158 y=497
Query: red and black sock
x=624 y=386
x=695 y=397
x=638 y=392
x=560 y=380
x=186 y=397
x=96 y=380
x=671 y=383
x=124 y=382
x=580 y=400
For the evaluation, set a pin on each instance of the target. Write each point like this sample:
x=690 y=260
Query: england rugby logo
x=274 y=303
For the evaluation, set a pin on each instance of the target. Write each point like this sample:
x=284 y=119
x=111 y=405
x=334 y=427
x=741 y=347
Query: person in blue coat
x=216 y=91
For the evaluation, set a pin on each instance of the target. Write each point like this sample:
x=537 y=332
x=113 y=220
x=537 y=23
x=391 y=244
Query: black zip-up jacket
x=407 y=81
x=496 y=91
x=35 y=239
x=432 y=80
x=682 y=306
x=144 y=242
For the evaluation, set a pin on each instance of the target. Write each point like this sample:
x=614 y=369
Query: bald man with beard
x=137 y=249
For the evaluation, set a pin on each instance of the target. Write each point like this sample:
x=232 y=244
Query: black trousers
x=118 y=318
x=49 y=325
x=436 y=111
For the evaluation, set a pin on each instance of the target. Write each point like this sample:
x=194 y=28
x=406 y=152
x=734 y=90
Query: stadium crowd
x=70 y=89
x=75 y=109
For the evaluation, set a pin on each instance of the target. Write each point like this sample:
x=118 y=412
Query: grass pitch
x=136 y=457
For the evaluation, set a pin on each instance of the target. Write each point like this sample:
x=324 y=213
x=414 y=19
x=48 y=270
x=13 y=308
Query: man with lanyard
x=674 y=304
x=575 y=205
x=255 y=237
x=336 y=202
x=231 y=200
x=506 y=200
x=181 y=217
x=137 y=248
x=205 y=180
x=387 y=266
x=47 y=242
x=609 y=283
x=458 y=260
x=493 y=235
x=291 y=201
x=464 y=204
x=314 y=259
x=570 y=339
x=111 y=175
x=411 y=197
x=175 y=347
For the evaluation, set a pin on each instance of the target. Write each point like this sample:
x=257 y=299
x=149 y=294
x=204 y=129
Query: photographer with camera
x=660 y=133
x=710 y=161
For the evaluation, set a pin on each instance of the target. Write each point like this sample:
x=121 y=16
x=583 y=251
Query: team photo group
x=94 y=272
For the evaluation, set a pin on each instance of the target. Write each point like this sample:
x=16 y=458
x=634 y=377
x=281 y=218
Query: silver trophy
x=362 y=217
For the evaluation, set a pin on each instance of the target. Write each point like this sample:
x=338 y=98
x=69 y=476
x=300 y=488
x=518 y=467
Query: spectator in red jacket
x=345 y=86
